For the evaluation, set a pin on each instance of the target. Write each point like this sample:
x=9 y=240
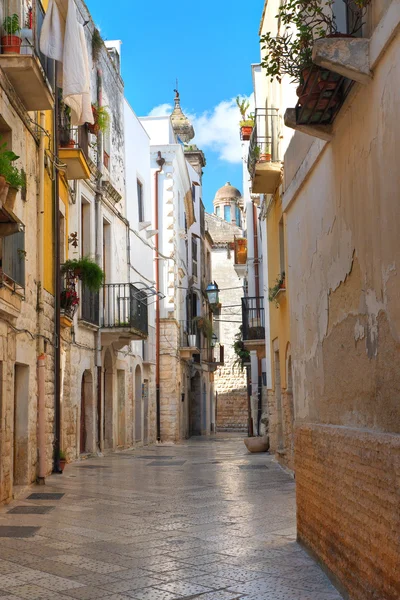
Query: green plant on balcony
x=86 y=270
x=242 y=355
x=205 y=325
x=274 y=291
x=101 y=118
x=11 y=41
x=302 y=22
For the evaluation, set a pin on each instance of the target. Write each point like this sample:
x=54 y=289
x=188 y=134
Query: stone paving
x=200 y=520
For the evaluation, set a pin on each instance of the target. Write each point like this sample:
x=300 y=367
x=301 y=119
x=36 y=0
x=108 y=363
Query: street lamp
x=212 y=292
x=214 y=340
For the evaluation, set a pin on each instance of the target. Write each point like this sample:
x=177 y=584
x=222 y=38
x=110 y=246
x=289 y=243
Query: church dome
x=227 y=193
x=181 y=125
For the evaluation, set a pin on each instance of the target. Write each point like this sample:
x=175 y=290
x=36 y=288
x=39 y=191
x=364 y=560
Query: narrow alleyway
x=200 y=520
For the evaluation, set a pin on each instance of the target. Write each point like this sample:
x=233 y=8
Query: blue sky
x=209 y=46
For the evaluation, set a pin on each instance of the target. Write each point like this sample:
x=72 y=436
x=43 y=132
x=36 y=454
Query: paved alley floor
x=200 y=520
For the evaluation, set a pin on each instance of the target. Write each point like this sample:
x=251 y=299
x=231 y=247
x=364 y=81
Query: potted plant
x=280 y=284
x=242 y=355
x=101 y=119
x=265 y=155
x=11 y=42
x=86 y=270
x=63 y=460
x=247 y=121
x=11 y=178
x=302 y=22
x=205 y=325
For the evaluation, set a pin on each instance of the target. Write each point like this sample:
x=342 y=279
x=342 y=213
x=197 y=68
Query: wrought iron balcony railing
x=264 y=141
x=124 y=306
x=253 y=318
x=190 y=335
x=90 y=305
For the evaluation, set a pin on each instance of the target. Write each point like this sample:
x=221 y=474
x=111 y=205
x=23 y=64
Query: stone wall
x=170 y=381
x=348 y=509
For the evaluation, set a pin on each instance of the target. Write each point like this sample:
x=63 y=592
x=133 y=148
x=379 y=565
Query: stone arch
x=109 y=385
x=138 y=404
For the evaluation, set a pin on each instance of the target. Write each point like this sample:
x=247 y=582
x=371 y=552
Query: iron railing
x=69 y=299
x=264 y=141
x=7 y=282
x=124 y=306
x=30 y=17
x=321 y=96
x=90 y=306
x=253 y=318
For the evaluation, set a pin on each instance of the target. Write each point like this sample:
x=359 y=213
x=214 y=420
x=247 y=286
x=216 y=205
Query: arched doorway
x=108 y=425
x=86 y=422
x=195 y=405
x=138 y=404
x=204 y=410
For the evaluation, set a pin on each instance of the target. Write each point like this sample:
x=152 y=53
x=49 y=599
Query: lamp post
x=212 y=292
x=214 y=340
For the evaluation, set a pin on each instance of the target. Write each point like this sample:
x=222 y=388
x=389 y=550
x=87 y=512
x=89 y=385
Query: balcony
x=190 y=340
x=11 y=296
x=124 y=314
x=240 y=252
x=211 y=358
x=73 y=152
x=90 y=307
x=253 y=324
x=264 y=163
x=28 y=71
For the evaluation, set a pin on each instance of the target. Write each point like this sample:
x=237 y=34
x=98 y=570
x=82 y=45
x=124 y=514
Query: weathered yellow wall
x=279 y=317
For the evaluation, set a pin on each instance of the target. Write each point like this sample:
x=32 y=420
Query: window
x=218 y=211
x=194 y=256
x=107 y=149
x=140 y=201
x=13 y=258
x=193 y=193
x=227 y=213
x=238 y=216
x=202 y=220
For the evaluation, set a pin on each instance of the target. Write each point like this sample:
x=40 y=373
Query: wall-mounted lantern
x=212 y=292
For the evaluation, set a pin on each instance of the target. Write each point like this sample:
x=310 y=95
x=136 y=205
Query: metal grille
x=264 y=141
x=13 y=261
x=253 y=318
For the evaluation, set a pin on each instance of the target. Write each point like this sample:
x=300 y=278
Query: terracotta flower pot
x=94 y=129
x=265 y=157
x=11 y=44
x=257 y=444
x=11 y=196
x=69 y=144
x=246 y=133
x=63 y=462
x=3 y=189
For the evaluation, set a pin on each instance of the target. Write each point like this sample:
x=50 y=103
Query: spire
x=182 y=126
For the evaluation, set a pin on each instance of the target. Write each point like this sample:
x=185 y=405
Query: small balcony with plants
x=124 y=314
x=74 y=146
x=246 y=119
x=12 y=181
x=264 y=164
x=28 y=71
x=91 y=277
x=189 y=339
x=278 y=291
x=240 y=256
x=253 y=324
x=320 y=48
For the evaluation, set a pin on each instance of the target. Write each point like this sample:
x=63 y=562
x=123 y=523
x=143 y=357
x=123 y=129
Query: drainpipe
x=99 y=261
x=160 y=161
x=41 y=363
x=57 y=279
x=257 y=283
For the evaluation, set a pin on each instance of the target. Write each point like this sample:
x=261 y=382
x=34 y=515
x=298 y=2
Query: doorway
x=204 y=410
x=86 y=437
x=146 y=411
x=108 y=425
x=278 y=399
x=21 y=420
x=121 y=407
x=138 y=404
x=195 y=406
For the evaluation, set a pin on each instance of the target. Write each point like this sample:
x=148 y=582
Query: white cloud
x=217 y=129
x=162 y=110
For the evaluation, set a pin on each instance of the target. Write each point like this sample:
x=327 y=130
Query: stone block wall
x=170 y=380
x=348 y=506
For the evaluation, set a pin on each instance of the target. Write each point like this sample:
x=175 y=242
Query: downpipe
x=160 y=162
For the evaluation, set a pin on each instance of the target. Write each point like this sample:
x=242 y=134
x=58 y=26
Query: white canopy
x=63 y=39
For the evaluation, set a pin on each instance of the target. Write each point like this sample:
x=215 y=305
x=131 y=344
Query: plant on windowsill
x=11 y=42
x=242 y=355
x=205 y=325
x=101 y=118
x=86 y=270
x=302 y=23
x=280 y=284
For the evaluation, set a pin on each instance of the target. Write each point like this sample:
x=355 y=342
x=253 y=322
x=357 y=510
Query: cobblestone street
x=199 y=520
